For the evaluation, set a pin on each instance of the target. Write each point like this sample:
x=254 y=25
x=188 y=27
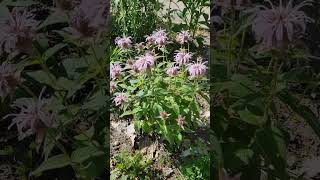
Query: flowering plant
x=160 y=92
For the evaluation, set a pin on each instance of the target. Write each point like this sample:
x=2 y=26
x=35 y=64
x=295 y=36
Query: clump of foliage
x=256 y=62
x=132 y=166
x=53 y=86
x=158 y=85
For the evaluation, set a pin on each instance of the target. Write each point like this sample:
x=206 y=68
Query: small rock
x=116 y=143
x=167 y=172
x=311 y=167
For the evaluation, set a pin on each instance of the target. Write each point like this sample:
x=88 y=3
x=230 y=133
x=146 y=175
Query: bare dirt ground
x=304 y=146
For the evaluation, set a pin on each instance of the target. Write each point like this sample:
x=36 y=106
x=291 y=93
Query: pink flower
x=173 y=71
x=120 y=99
x=35 y=117
x=9 y=79
x=89 y=19
x=183 y=37
x=113 y=86
x=181 y=121
x=197 y=69
x=160 y=38
x=144 y=62
x=115 y=71
x=124 y=43
x=164 y=115
x=18 y=31
x=275 y=27
x=150 y=40
x=182 y=57
x=140 y=46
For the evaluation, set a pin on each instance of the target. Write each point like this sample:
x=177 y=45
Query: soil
x=304 y=146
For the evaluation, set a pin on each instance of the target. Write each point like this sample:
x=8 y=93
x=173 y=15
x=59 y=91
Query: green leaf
x=96 y=102
x=85 y=136
x=134 y=111
x=268 y=142
x=250 y=118
x=43 y=77
x=84 y=153
x=245 y=155
x=53 y=50
x=53 y=162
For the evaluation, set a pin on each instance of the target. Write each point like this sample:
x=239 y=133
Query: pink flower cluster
x=182 y=57
x=159 y=38
x=276 y=27
x=181 y=121
x=115 y=70
x=183 y=37
x=120 y=99
x=197 y=69
x=113 y=86
x=124 y=42
x=35 y=117
x=173 y=71
x=144 y=62
x=18 y=31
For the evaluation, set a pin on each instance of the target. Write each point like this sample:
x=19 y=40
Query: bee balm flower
x=277 y=26
x=124 y=43
x=115 y=71
x=173 y=71
x=182 y=57
x=144 y=62
x=120 y=99
x=17 y=31
x=89 y=19
x=160 y=38
x=113 y=86
x=183 y=37
x=181 y=121
x=197 y=69
x=35 y=117
x=164 y=115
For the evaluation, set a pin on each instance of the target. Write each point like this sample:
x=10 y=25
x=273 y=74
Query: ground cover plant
x=263 y=73
x=158 y=85
x=53 y=89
